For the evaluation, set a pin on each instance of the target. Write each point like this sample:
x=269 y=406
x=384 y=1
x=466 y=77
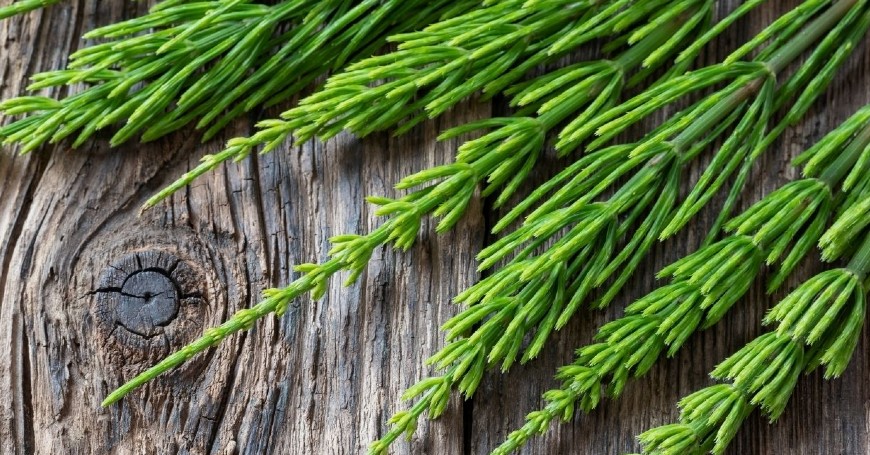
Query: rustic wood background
x=322 y=379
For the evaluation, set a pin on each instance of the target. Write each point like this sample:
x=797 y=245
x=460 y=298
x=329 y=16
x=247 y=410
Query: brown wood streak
x=323 y=378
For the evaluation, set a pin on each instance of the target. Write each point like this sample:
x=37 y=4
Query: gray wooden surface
x=323 y=378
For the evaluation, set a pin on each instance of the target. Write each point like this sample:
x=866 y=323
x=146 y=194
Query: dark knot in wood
x=141 y=295
x=148 y=301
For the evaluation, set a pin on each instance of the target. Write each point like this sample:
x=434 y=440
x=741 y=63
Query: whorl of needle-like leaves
x=818 y=324
x=486 y=50
x=513 y=304
x=504 y=153
x=593 y=228
x=205 y=63
x=689 y=131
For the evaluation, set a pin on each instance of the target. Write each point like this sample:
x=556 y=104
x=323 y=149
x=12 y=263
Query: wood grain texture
x=322 y=379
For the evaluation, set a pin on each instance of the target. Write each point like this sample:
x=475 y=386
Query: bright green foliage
x=687 y=133
x=23 y=6
x=719 y=404
x=779 y=229
x=487 y=49
x=500 y=158
x=819 y=324
x=568 y=200
x=206 y=63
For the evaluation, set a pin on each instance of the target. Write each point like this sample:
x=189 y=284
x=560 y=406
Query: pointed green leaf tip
x=23 y=6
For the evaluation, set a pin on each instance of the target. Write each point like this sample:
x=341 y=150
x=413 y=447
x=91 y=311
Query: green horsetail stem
x=23 y=6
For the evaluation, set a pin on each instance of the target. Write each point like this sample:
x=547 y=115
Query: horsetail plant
x=185 y=68
x=537 y=293
x=352 y=252
x=818 y=324
x=487 y=49
x=780 y=229
x=501 y=158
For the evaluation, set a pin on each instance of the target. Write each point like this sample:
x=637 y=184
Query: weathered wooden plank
x=323 y=378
